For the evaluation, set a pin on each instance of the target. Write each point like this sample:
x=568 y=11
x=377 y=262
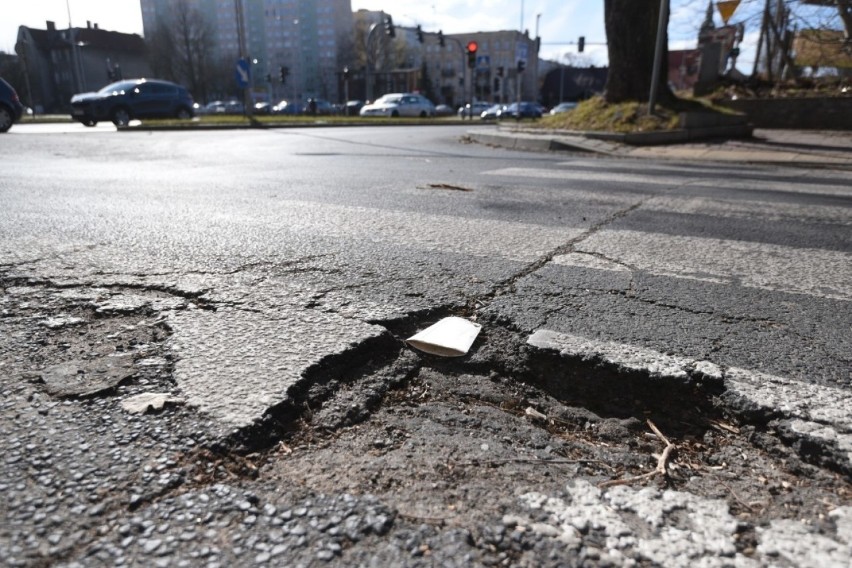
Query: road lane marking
x=718 y=182
x=522 y=242
x=751 y=209
x=815 y=272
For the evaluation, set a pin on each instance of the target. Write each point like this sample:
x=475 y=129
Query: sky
x=559 y=22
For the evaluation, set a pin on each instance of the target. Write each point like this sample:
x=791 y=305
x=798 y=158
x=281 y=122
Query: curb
x=610 y=145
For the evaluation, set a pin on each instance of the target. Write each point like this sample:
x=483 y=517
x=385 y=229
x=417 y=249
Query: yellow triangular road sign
x=727 y=9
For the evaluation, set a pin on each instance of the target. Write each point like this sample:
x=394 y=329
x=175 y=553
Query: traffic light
x=390 y=31
x=471 y=53
x=346 y=73
x=581 y=44
x=500 y=71
x=419 y=33
x=441 y=38
x=521 y=65
x=269 y=77
x=283 y=71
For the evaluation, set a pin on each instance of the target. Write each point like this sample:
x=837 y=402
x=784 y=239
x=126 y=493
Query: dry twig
x=662 y=463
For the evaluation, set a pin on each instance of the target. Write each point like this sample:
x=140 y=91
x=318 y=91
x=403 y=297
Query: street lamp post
x=370 y=65
x=658 y=55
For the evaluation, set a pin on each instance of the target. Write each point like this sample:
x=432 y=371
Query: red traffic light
x=471 y=47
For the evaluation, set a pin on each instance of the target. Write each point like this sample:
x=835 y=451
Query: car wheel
x=5 y=119
x=120 y=116
x=183 y=114
x=395 y=114
x=423 y=114
x=90 y=122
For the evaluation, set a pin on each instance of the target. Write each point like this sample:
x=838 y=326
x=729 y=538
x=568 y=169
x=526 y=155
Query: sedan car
x=286 y=107
x=126 y=100
x=444 y=110
x=400 y=104
x=475 y=109
x=11 y=108
x=563 y=107
x=493 y=112
x=521 y=110
x=320 y=107
x=353 y=107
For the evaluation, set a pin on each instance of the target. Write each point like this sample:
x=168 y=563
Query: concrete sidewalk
x=796 y=148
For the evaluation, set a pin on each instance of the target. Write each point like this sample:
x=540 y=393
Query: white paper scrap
x=450 y=337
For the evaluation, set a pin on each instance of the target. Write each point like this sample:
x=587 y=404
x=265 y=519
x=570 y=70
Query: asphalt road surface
x=662 y=376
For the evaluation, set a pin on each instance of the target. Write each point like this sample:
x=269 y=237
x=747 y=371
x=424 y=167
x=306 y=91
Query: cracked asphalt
x=662 y=378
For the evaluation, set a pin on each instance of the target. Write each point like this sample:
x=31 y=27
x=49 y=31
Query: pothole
x=423 y=430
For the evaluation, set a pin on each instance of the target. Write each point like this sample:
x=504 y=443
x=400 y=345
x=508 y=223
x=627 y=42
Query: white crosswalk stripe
x=719 y=182
x=815 y=272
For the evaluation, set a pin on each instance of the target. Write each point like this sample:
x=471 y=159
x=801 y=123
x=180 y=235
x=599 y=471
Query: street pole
x=241 y=36
x=658 y=55
x=369 y=86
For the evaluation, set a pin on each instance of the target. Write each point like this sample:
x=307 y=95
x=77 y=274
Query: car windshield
x=389 y=99
x=119 y=86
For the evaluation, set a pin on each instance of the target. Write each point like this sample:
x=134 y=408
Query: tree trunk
x=631 y=34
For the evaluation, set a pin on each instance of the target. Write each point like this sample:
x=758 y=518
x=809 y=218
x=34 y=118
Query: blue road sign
x=242 y=73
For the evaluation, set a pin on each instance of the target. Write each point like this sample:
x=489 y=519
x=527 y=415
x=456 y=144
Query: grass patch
x=596 y=115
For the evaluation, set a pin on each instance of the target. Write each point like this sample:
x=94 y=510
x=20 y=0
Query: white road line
x=815 y=272
x=542 y=173
x=522 y=242
x=748 y=209
x=720 y=182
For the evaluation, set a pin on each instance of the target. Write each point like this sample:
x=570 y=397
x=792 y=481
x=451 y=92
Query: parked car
x=11 y=108
x=493 y=112
x=563 y=107
x=400 y=104
x=215 y=107
x=444 y=110
x=521 y=110
x=126 y=100
x=286 y=107
x=353 y=107
x=475 y=109
x=323 y=107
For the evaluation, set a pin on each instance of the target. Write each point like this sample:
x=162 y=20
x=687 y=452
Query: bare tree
x=181 y=48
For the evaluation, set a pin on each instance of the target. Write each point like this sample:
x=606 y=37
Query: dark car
x=493 y=112
x=126 y=100
x=11 y=108
x=521 y=110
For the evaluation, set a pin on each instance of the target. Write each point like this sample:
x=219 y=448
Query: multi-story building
x=59 y=63
x=311 y=39
x=421 y=62
x=497 y=76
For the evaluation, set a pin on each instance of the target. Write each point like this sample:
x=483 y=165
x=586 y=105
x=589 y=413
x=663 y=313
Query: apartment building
x=312 y=39
x=496 y=76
